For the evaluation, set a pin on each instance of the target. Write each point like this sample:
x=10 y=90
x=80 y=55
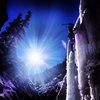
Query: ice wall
x=87 y=53
x=87 y=45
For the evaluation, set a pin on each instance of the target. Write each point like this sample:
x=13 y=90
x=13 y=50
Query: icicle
x=71 y=75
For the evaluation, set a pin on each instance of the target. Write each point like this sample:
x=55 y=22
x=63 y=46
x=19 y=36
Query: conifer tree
x=9 y=38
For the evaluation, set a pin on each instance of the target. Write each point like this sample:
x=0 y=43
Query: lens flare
x=40 y=48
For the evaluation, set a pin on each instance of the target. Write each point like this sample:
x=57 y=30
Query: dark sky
x=69 y=9
x=66 y=5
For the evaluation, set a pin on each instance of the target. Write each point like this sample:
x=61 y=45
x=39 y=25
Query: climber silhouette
x=71 y=36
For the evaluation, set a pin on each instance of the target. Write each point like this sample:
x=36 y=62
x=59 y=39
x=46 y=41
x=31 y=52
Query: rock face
x=87 y=45
x=17 y=88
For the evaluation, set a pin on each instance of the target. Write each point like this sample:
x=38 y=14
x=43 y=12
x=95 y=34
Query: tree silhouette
x=9 y=38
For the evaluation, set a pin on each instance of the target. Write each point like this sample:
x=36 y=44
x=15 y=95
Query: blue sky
x=45 y=29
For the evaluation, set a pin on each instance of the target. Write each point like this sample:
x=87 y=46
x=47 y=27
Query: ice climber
x=71 y=36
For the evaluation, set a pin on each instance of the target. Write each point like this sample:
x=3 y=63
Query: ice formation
x=87 y=51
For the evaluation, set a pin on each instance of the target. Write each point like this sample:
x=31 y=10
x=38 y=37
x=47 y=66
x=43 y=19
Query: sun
x=34 y=57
